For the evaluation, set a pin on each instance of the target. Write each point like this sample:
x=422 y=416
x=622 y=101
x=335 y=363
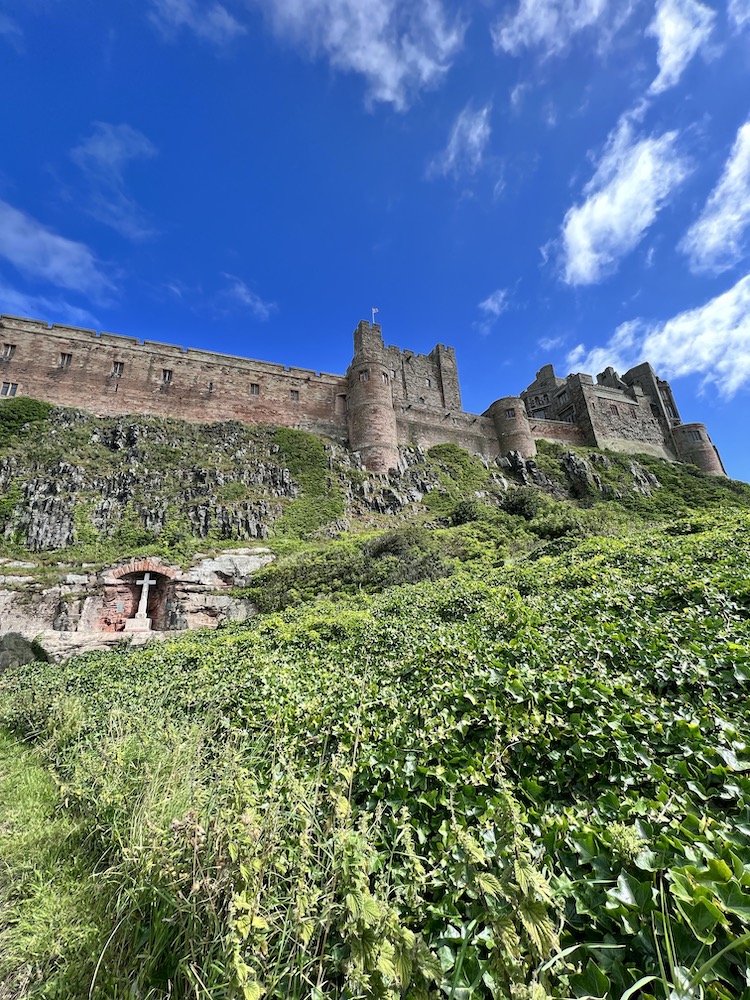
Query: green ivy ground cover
x=523 y=783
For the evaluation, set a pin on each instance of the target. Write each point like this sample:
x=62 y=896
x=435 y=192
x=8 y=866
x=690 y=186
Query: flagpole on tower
x=373 y=316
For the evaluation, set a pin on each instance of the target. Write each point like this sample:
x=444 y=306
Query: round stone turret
x=695 y=446
x=512 y=426
x=369 y=402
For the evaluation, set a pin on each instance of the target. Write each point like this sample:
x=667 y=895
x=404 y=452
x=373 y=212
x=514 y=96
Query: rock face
x=90 y=611
x=15 y=651
x=131 y=474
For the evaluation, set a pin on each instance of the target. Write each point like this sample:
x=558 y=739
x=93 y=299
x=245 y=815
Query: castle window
x=654 y=410
x=422 y=400
x=364 y=376
x=8 y=389
x=166 y=376
x=8 y=351
x=294 y=395
x=393 y=373
x=254 y=389
x=613 y=409
x=695 y=435
x=385 y=376
x=428 y=383
x=118 y=367
x=562 y=397
x=633 y=413
x=65 y=361
x=210 y=387
x=510 y=414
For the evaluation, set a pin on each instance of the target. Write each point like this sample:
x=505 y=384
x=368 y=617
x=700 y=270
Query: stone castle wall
x=109 y=374
x=389 y=397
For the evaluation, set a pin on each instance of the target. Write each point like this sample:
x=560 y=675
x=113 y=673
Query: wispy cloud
x=738 y=12
x=517 y=96
x=680 y=27
x=103 y=158
x=466 y=144
x=211 y=22
x=634 y=179
x=11 y=31
x=14 y=302
x=550 y=25
x=715 y=241
x=398 y=46
x=492 y=308
x=551 y=343
x=40 y=253
x=712 y=340
x=239 y=293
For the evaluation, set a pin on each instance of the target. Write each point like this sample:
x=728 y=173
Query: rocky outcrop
x=75 y=614
x=15 y=651
x=127 y=474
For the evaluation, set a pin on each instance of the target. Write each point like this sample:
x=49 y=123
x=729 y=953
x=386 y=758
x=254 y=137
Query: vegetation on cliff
x=521 y=781
x=493 y=745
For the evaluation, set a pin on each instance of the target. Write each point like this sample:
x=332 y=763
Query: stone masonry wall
x=418 y=425
x=558 y=431
x=73 y=367
x=424 y=379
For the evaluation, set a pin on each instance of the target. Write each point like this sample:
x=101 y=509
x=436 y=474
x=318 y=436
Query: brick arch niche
x=122 y=594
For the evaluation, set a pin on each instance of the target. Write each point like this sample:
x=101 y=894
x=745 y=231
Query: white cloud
x=398 y=46
x=714 y=242
x=712 y=340
x=551 y=343
x=517 y=96
x=496 y=303
x=680 y=27
x=550 y=25
x=492 y=308
x=55 y=310
x=40 y=253
x=210 y=22
x=103 y=158
x=239 y=293
x=739 y=13
x=10 y=30
x=466 y=144
x=632 y=183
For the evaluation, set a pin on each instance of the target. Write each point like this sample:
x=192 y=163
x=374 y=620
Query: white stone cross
x=146 y=582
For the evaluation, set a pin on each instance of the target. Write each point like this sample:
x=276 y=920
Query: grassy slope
x=49 y=928
x=430 y=791
x=417 y=791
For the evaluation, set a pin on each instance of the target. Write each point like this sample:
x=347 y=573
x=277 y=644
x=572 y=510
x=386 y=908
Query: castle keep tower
x=370 y=413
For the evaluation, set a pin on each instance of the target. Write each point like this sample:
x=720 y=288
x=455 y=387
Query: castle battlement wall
x=389 y=396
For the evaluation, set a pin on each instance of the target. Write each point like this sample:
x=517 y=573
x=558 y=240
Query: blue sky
x=528 y=181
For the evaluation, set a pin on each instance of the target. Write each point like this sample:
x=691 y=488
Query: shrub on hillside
x=406 y=555
x=16 y=414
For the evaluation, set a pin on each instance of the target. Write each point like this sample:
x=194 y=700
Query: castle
x=388 y=397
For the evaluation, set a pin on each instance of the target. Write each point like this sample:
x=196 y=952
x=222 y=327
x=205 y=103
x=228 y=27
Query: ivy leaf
x=592 y=982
